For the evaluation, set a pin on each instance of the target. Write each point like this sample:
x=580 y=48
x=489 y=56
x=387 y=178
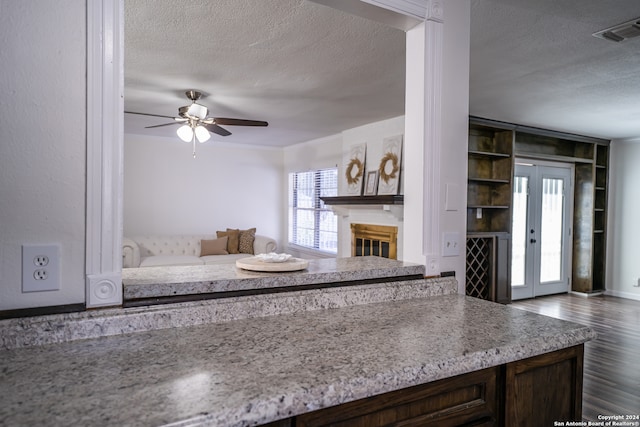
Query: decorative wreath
x=394 y=172
x=355 y=162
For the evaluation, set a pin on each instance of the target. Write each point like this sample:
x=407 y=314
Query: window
x=311 y=224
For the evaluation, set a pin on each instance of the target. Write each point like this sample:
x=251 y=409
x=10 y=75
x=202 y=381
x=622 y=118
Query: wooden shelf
x=364 y=200
x=490 y=180
x=488 y=153
x=559 y=158
x=487 y=206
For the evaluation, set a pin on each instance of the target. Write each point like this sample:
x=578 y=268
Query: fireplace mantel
x=364 y=200
x=342 y=205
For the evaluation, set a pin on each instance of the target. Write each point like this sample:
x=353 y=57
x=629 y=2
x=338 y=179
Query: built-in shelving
x=490 y=164
x=601 y=163
x=489 y=194
x=493 y=146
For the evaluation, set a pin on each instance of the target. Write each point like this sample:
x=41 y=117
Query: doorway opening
x=541 y=228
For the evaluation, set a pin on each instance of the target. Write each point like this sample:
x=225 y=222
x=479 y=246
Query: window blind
x=311 y=223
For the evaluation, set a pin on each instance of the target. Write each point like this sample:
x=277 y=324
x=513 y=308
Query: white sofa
x=155 y=251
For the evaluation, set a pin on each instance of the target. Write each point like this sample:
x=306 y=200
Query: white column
x=414 y=136
x=433 y=134
x=423 y=129
x=105 y=83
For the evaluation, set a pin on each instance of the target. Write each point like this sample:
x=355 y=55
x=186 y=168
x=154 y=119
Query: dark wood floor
x=612 y=362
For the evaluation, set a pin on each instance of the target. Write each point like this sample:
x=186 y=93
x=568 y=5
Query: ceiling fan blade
x=146 y=114
x=239 y=122
x=217 y=129
x=164 y=124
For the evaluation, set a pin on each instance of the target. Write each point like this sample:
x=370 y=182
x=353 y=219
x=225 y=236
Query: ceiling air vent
x=620 y=32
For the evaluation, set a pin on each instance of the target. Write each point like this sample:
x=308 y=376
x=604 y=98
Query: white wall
x=322 y=153
x=623 y=268
x=455 y=128
x=42 y=147
x=167 y=191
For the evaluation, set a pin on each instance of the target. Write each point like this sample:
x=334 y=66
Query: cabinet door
x=544 y=389
x=469 y=399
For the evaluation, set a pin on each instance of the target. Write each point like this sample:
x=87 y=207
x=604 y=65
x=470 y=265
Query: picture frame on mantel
x=390 y=166
x=371 y=183
x=354 y=169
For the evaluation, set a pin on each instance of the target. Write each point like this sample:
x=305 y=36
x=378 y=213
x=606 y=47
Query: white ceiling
x=312 y=71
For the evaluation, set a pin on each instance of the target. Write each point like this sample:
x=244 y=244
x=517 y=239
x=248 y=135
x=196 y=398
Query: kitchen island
x=258 y=370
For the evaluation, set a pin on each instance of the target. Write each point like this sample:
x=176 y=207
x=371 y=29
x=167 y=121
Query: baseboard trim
x=587 y=294
x=620 y=294
x=41 y=311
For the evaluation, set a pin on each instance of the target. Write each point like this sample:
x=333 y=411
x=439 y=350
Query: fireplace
x=376 y=240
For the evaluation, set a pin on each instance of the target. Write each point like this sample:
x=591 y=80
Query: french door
x=541 y=229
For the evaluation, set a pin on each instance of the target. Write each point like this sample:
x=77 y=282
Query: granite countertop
x=152 y=282
x=256 y=370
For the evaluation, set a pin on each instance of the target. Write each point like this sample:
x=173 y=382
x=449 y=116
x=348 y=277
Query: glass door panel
x=519 y=230
x=551 y=227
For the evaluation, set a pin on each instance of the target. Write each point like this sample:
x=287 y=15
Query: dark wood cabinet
x=529 y=392
x=469 y=399
x=544 y=389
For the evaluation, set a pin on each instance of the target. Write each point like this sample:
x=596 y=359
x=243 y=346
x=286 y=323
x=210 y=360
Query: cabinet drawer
x=468 y=399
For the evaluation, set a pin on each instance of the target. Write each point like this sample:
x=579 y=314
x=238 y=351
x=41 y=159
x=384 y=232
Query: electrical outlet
x=40 y=268
x=637 y=285
x=41 y=260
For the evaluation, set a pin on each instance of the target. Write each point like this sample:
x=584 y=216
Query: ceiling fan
x=195 y=121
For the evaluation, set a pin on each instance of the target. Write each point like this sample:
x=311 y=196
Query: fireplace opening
x=375 y=240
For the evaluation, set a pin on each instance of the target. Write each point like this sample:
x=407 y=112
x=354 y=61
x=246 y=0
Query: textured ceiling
x=312 y=71
x=307 y=69
x=535 y=62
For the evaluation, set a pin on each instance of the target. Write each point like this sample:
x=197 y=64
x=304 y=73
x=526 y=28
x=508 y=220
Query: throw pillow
x=245 y=242
x=234 y=237
x=214 y=247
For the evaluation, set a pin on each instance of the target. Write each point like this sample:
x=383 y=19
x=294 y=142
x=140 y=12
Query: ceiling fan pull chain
x=193 y=141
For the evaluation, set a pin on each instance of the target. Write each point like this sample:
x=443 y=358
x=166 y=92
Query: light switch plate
x=450 y=244
x=452 y=197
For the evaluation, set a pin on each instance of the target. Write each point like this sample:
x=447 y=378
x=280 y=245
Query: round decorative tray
x=256 y=264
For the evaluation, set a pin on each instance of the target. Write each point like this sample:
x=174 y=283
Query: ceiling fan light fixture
x=202 y=133
x=185 y=133
x=197 y=111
